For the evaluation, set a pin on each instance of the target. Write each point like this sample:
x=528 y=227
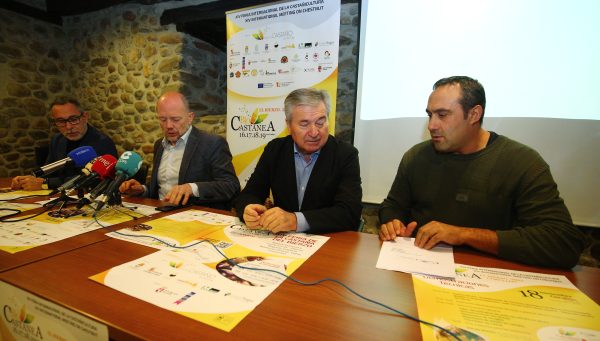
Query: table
x=325 y=311
x=10 y=261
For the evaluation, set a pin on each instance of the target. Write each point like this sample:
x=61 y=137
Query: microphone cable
x=327 y=279
x=3 y=219
x=25 y=197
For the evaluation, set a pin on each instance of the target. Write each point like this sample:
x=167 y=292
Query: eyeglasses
x=63 y=122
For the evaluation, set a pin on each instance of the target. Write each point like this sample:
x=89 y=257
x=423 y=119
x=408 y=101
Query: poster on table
x=498 y=304
x=195 y=279
x=29 y=317
x=60 y=224
x=8 y=194
x=271 y=51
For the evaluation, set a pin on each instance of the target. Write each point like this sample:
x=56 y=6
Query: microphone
x=103 y=168
x=99 y=189
x=87 y=170
x=78 y=156
x=129 y=163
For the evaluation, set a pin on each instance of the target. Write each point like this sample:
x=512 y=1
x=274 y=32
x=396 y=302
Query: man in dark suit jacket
x=189 y=165
x=75 y=131
x=314 y=178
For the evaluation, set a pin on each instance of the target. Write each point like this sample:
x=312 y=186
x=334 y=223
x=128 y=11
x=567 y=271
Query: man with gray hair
x=314 y=178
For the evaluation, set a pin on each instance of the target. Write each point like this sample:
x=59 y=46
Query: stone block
x=39 y=135
x=10 y=51
x=112 y=126
x=55 y=85
x=147 y=148
x=103 y=61
x=106 y=116
x=170 y=38
x=127 y=98
x=169 y=64
x=141 y=107
x=113 y=102
x=149 y=126
x=47 y=66
x=17 y=90
x=20 y=76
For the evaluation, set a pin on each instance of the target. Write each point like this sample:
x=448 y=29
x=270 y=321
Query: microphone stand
x=115 y=203
x=63 y=199
x=82 y=201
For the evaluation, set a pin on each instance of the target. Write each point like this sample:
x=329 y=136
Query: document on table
x=499 y=304
x=56 y=225
x=401 y=254
x=219 y=272
x=11 y=195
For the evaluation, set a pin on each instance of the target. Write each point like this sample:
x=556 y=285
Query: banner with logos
x=271 y=51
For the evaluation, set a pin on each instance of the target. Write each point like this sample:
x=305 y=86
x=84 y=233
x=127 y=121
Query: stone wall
x=117 y=62
x=347 y=72
x=32 y=70
x=122 y=59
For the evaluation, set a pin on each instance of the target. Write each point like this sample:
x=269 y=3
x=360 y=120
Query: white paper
x=401 y=254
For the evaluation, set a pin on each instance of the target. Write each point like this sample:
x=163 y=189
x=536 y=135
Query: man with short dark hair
x=314 y=178
x=189 y=164
x=468 y=186
x=72 y=123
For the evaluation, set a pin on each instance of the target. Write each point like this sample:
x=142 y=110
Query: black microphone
x=103 y=168
x=78 y=156
x=85 y=171
x=99 y=189
x=129 y=163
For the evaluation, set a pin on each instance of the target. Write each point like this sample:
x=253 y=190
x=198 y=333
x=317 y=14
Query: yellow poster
x=272 y=50
x=210 y=268
x=60 y=224
x=498 y=304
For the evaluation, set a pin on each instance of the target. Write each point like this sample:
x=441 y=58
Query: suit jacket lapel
x=155 y=164
x=190 y=148
x=319 y=173
x=288 y=176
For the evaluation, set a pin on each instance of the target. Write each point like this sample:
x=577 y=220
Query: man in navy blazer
x=314 y=178
x=75 y=131
x=189 y=164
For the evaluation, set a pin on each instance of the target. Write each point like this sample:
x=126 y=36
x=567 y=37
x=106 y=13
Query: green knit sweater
x=505 y=187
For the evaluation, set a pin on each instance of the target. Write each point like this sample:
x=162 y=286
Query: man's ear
x=475 y=114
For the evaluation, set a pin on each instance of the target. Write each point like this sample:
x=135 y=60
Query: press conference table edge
x=316 y=312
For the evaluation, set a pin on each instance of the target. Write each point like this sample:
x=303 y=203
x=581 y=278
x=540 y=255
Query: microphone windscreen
x=129 y=163
x=82 y=155
x=105 y=166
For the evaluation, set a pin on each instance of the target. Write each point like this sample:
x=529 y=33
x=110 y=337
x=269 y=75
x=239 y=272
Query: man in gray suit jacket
x=189 y=164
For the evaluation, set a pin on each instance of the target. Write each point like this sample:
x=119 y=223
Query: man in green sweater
x=469 y=186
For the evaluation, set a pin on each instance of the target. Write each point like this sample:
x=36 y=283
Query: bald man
x=189 y=165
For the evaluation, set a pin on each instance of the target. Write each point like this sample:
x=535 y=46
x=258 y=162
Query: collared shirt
x=303 y=170
x=170 y=163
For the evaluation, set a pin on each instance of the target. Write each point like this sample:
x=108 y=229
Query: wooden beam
x=31 y=12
